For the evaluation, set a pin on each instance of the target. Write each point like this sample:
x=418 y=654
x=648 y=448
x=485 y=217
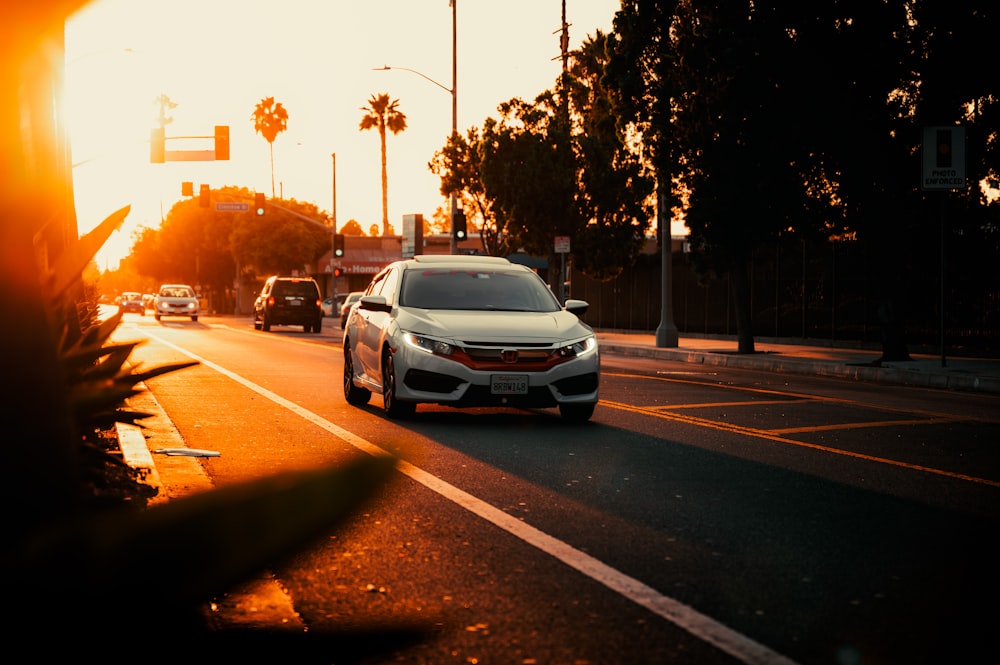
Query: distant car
x=176 y=300
x=131 y=301
x=469 y=331
x=328 y=306
x=289 y=301
x=345 y=307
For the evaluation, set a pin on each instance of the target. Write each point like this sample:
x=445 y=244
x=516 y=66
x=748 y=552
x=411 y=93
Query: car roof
x=291 y=278
x=464 y=261
x=460 y=258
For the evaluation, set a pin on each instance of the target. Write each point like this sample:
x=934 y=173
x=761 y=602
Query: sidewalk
x=969 y=374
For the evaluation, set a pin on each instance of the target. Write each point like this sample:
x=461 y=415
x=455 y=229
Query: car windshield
x=176 y=292
x=471 y=289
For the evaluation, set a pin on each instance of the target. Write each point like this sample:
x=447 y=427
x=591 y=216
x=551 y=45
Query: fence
x=823 y=291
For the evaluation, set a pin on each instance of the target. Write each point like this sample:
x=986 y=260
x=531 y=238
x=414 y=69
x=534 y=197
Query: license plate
x=509 y=384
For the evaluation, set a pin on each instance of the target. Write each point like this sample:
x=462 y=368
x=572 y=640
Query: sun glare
x=216 y=60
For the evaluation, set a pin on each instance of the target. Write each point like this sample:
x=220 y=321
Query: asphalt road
x=706 y=515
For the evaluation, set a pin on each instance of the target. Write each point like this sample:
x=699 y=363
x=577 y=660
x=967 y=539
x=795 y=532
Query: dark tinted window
x=299 y=289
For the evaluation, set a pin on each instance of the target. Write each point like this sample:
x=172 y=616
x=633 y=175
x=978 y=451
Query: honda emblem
x=509 y=356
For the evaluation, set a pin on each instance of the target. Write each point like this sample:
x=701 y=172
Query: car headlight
x=428 y=344
x=579 y=348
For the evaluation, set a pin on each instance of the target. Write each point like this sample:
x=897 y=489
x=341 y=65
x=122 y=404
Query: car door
x=361 y=337
x=374 y=325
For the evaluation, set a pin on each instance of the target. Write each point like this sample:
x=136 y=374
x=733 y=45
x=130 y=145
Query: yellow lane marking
x=802 y=397
x=764 y=434
x=878 y=423
x=706 y=405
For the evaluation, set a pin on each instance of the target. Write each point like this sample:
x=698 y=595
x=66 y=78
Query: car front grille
x=504 y=358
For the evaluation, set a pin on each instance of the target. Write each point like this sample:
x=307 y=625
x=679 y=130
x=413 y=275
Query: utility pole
x=565 y=117
x=333 y=230
x=454 y=115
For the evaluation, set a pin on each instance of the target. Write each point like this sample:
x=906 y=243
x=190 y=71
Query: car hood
x=487 y=326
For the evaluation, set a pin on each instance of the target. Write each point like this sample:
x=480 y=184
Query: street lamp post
x=453 y=90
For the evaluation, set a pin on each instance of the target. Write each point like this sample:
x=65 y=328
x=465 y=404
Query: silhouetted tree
x=269 y=120
x=383 y=113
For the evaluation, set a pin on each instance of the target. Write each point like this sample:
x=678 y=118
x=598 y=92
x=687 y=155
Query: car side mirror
x=374 y=304
x=578 y=307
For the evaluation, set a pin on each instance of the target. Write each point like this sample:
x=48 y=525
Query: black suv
x=289 y=301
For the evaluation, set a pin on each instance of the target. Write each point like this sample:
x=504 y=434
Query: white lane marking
x=703 y=627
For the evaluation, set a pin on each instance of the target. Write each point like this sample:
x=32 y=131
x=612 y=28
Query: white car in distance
x=176 y=300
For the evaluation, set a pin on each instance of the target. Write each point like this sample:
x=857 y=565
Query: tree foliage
x=528 y=170
x=203 y=246
x=351 y=228
x=805 y=118
x=557 y=166
x=614 y=187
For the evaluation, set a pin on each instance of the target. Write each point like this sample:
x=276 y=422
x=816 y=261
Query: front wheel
x=266 y=323
x=354 y=395
x=393 y=407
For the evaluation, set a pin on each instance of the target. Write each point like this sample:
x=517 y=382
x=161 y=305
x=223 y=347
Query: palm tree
x=383 y=114
x=269 y=120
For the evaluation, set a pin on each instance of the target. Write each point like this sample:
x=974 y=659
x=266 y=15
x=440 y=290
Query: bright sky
x=217 y=59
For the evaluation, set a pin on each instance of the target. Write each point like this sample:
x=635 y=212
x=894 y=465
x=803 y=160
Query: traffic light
x=157 y=146
x=258 y=203
x=222 y=141
x=458 y=225
x=204 y=196
x=187 y=188
x=942 y=149
x=337 y=272
x=338 y=245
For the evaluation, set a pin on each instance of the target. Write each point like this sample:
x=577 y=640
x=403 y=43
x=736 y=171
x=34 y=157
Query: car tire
x=194 y=318
x=354 y=395
x=577 y=413
x=156 y=316
x=265 y=324
x=318 y=326
x=393 y=407
x=256 y=324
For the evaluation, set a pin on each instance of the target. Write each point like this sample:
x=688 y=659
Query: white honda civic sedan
x=469 y=331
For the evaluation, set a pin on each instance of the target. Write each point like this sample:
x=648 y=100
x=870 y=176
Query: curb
x=257 y=604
